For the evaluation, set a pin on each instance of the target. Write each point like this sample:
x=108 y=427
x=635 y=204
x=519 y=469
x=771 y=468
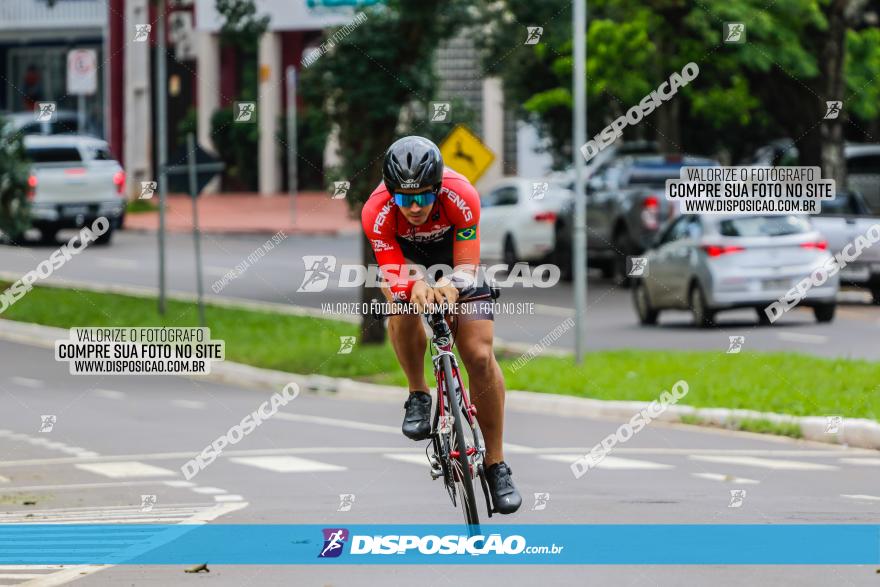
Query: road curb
x=854 y=432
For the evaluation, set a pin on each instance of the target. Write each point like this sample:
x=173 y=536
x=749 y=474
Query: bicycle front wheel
x=462 y=439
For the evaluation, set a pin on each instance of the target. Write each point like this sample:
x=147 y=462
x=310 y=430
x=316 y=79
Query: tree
x=375 y=83
x=14 y=175
x=799 y=54
x=236 y=144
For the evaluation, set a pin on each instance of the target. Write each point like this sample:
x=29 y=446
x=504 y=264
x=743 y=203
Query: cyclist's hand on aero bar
x=421 y=295
x=445 y=292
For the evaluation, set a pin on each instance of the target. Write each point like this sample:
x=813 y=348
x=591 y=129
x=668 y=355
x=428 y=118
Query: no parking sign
x=82 y=72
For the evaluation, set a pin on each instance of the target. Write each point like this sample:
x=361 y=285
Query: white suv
x=74 y=180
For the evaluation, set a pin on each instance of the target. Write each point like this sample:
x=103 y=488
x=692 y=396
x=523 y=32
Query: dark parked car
x=626 y=206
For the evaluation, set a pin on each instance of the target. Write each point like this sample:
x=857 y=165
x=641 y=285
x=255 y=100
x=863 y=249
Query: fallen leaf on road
x=198 y=569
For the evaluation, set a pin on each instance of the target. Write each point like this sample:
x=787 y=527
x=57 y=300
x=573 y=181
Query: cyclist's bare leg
x=407 y=334
x=474 y=342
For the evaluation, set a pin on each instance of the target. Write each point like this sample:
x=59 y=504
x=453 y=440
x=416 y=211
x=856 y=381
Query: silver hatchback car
x=712 y=262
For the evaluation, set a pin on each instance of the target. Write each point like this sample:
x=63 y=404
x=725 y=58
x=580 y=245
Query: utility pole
x=161 y=142
x=579 y=138
x=292 y=179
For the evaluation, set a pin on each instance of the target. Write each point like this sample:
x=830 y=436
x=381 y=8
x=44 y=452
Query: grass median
x=786 y=383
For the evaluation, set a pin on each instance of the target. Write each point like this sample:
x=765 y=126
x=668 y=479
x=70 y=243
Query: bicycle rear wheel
x=462 y=439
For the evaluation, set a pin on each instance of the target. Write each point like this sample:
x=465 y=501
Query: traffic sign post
x=82 y=80
x=464 y=152
x=199 y=174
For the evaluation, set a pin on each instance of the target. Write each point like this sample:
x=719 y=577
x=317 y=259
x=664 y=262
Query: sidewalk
x=315 y=213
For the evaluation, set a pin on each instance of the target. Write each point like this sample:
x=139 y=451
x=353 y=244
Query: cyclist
x=425 y=214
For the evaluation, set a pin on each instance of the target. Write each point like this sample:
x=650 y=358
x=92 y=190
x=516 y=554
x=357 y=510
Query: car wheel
x=875 y=295
x=509 y=255
x=607 y=270
x=623 y=248
x=562 y=259
x=704 y=316
x=48 y=236
x=824 y=312
x=647 y=314
x=105 y=238
x=763 y=318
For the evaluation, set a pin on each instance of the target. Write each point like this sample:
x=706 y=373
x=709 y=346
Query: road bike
x=456 y=450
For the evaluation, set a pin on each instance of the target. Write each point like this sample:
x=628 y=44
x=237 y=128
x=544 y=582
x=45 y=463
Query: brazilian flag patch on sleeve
x=466 y=234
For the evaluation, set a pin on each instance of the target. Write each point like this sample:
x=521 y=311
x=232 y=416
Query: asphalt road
x=118 y=438
x=611 y=320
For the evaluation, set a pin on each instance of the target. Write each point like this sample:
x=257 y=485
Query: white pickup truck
x=74 y=180
x=840 y=222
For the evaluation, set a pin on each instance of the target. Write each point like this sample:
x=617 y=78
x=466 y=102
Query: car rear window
x=764 y=226
x=54 y=155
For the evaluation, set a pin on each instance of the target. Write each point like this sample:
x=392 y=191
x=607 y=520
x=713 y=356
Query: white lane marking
x=21 y=575
x=337 y=422
x=865 y=462
x=861 y=496
x=613 y=463
x=4 y=479
x=554 y=310
x=117 y=263
x=109 y=393
x=229 y=497
x=188 y=403
x=285 y=464
x=179 y=483
x=572 y=453
x=72 y=573
x=27 y=382
x=802 y=337
x=414 y=458
x=208 y=490
x=725 y=478
x=765 y=463
x=122 y=469
x=74 y=486
x=29 y=567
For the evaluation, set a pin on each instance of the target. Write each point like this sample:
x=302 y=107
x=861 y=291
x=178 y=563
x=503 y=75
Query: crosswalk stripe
x=613 y=463
x=406 y=457
x=861 y=496
x=861 y=461
x=27 y=382
x=227 y=498
x=208 y=490
x=122 y=469
x=189 y=404
x=287 y=464
x=179 y=483
x=727 y=478
x=109 y=393
x=765 y=463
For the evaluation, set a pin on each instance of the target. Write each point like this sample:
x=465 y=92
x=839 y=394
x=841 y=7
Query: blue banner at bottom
x=569 y=544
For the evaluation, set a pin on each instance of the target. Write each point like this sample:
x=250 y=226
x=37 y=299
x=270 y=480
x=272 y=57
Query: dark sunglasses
x=423 y=199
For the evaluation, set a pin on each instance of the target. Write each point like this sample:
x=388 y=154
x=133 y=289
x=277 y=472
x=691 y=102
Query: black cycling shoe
x=416 y=421
x=505 y=497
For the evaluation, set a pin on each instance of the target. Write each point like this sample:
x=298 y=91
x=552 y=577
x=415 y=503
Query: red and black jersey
x=450 y=236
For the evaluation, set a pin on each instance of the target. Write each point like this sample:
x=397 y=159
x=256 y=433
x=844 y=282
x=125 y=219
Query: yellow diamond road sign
x=464 y=152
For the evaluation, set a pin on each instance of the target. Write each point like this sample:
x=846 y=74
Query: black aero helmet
x=412 y=163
